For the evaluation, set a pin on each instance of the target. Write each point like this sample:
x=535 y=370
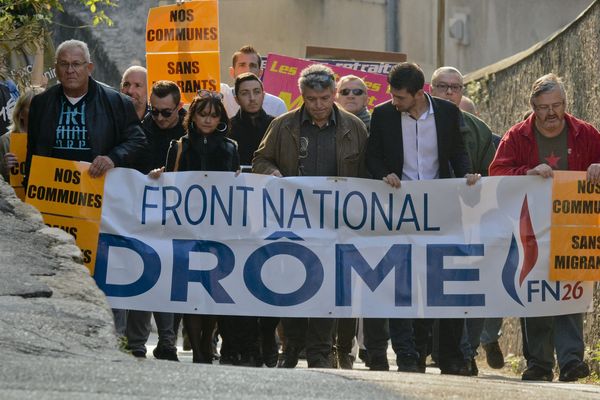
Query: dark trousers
x=200 y=330
x=411 y=337
x=345 y=331
x=314 y=334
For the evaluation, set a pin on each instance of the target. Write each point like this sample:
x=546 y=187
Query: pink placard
x=281 y=79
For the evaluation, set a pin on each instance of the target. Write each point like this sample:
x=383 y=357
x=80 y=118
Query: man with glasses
x=81 y=119
x=353 y=97
x=551 y=139
x=447 y=83
x=318 y=139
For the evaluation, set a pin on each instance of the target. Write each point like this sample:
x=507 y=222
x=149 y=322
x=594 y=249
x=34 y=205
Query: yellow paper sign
x=575 y=230
x=18 y=146
x=85 y=233
x=62 y=187
x=188 y=27
x=191 y=71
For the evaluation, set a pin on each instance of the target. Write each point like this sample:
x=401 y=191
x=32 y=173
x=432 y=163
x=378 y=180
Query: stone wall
x=501 y=92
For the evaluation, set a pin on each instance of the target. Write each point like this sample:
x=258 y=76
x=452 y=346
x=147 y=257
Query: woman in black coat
x=205 y=147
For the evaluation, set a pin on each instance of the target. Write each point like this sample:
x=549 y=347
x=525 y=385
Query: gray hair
x=318 y=77
x=547 y=83
x=73 y=43
x=351 y=78
x=445 y=70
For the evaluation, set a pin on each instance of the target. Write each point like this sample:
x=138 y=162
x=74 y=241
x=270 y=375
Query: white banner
x=213 y=243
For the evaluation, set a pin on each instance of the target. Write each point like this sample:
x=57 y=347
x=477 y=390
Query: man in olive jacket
x=319 y=139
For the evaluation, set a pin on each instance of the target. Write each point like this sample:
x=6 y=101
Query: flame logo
x=530 y=254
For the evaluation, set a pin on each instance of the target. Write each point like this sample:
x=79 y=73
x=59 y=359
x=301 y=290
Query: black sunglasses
x=356 y=92
x=164 y=113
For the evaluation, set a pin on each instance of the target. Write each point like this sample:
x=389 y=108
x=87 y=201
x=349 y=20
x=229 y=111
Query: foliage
x=23 y=22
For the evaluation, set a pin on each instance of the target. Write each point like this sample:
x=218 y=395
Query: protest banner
x=281 y=79
x=575 y=230
x=214 y=243
x=182 y=45
x=68 y=198
x=18 y=146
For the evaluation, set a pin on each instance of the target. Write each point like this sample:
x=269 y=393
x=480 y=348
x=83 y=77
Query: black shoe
x=474 y=369
x=573 y=371
x=407 y=364
x=344 y=361
x=248 y=360
x=493 y=355
x=161 y=353
x=462 y=368
x=378 y=362
x=290 y=358
x=271 y=359
x=320 y=362
x=535 y=373
x=228 y=359
x=138 y=354
x=363 y=356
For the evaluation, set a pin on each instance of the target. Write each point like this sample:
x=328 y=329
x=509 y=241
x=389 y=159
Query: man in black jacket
x=415 y=137
x=250 y=123
x=81 y=119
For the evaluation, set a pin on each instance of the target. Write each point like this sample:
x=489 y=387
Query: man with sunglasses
x=353 y=97
x=162 y=124
x=551 y=139
x=81 y=119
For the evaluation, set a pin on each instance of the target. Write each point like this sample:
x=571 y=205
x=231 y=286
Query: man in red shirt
x=551 y=139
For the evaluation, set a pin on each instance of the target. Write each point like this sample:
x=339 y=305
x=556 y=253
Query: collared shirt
x=316 y=156
x=419 y=138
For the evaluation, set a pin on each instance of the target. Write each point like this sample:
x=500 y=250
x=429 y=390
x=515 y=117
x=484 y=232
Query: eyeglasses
x=76 y=65
x=544 y=108
x=355 y=92
x=208 y=93
x=444 y=87
x=166 y=113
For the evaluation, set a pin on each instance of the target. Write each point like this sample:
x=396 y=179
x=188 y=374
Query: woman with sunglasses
x=204 y=147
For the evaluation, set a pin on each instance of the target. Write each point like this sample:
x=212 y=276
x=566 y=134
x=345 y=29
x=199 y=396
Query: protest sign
x=68 y=198
x=575 y=231
x=214 y=243
x=18 y=146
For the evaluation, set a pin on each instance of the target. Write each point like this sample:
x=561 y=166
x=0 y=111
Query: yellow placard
x=189 y=27
x=574 y=200
x=62 y=187
x=575 y=229
x=85 y=233
x=18 y=146
x=191 y=71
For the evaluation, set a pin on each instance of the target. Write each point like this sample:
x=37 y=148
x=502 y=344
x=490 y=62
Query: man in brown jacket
x=318 y=139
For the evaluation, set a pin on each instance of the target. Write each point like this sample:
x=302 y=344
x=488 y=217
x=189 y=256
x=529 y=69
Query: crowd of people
x=414 y=136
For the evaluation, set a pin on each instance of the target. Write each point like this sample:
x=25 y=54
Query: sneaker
x=291 y=357
x=162 y=353
x=461 y=368
x=493 y=355
x=319 y=362
x=573 y=371
x=535 y=373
